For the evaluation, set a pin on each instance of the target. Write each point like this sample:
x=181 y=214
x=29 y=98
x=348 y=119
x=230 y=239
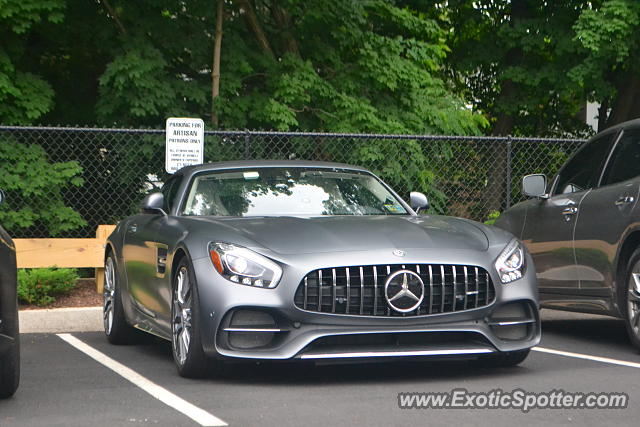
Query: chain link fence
x=469 y=177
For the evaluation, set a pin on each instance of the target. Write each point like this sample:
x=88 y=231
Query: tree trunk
x=285 y=25
x=256 y=28
x=623 y=106
x=494 y=198
x=215 y=72
x=115 y=16
x=603 y=114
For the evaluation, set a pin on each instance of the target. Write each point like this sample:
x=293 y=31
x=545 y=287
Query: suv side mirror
x=418 y=201
x=534 y=185
x=153 y=203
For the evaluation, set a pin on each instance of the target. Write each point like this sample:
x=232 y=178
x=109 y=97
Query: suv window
x=169 y=190
x=625 y=161
x=583 y=170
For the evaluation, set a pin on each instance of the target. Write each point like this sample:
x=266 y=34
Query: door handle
x=625 y=200
x=571 y=210
x=132 y=228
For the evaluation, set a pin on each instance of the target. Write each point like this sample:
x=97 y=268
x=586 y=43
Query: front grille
x=359 y=290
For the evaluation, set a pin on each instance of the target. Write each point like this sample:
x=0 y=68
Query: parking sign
x=184 y=143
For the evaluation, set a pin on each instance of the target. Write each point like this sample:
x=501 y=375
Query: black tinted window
x=583 y=170
x=169 y=190
x=625 y=162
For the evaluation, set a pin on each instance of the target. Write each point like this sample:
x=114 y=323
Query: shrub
x=40 y=286
x=493 y=216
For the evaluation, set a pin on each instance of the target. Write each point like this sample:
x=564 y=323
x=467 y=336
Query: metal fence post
x=247 y=145
x=508 y=173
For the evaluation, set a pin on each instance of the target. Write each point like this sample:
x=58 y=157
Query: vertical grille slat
x=431 y=289
x=466 y=287
x=375 y=290
x=348 y=288
x=319 y=290
x=333 y=285
x=454 y=300
x=477 y=280
x=444 y=291
x=447 y=289
x=486 y=287
x=306 y=292
x=361 y=291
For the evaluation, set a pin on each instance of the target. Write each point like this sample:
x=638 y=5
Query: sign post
x=184 y=143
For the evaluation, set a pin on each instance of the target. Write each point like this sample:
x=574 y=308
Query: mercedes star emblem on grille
x=404 y=291
x=399 y=252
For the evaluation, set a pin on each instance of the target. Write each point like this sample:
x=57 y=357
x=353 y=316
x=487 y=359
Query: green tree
x=24 y=95
x=609 y=37
x=34 y=187
x=33 y=184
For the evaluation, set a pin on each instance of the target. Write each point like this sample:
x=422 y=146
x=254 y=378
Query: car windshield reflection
x=290 y=192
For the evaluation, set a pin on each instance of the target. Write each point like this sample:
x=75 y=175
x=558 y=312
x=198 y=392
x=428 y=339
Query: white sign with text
x=184 y=143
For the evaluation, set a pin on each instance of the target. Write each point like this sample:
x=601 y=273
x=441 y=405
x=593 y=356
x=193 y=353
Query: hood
x=297 y=235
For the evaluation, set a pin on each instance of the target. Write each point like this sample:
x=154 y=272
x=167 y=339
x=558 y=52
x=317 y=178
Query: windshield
x=289 y=191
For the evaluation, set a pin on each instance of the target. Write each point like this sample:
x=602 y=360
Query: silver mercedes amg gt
x=317 y=261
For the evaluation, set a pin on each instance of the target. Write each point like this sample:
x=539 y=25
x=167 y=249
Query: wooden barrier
x=67 y=253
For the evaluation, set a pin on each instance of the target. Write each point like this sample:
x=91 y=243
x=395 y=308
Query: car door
x=605 y=214
x=139 y=253
x=550 y=222
x=165 y=231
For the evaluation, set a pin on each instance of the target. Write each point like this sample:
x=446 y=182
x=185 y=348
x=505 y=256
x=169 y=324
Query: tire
x=630 y=299
x=506 y=359
x=116 y=327
x=10 y=371
x=186 y=342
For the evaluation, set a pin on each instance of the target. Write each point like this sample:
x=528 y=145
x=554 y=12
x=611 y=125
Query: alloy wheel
x=182 y=306
x=633 y=300
x=108 y=295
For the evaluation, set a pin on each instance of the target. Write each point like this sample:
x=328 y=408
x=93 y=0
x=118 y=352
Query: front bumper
x=510 y=323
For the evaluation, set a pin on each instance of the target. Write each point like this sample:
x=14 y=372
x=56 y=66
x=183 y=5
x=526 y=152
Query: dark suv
x=583 y=229
x=9 y=338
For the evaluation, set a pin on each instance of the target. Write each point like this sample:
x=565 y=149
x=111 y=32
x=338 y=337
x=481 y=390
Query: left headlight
x=241 y=265
x=510 y=264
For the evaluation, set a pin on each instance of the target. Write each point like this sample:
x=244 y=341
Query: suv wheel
x=631 y=301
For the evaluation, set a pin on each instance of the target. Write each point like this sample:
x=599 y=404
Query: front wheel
x=631 y=304
x=186 y=344
x=116 y=328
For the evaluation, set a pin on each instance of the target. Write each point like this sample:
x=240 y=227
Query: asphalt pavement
x=78 y=379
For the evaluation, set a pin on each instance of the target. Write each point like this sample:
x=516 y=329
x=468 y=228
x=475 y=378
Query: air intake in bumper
x=405 y=344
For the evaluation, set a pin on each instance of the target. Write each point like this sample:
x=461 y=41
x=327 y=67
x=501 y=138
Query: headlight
x=510 y=263
x=241 y=265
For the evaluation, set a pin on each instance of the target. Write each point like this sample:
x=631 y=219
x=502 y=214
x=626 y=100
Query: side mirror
x=418 y=201
x=153 y=203
x=534 y=185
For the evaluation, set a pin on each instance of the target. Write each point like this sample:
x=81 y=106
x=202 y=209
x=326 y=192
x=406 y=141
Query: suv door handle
x=571 y=210
x=624 y=200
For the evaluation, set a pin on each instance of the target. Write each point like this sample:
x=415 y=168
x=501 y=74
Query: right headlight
x=244 y=266
x=511 y=263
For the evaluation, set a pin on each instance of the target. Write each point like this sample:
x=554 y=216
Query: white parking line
x=587 y=357
x=198 y=415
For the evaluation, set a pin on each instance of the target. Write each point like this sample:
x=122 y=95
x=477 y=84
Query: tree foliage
x=34 y=186
x=460 y=67
x=530 y=66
